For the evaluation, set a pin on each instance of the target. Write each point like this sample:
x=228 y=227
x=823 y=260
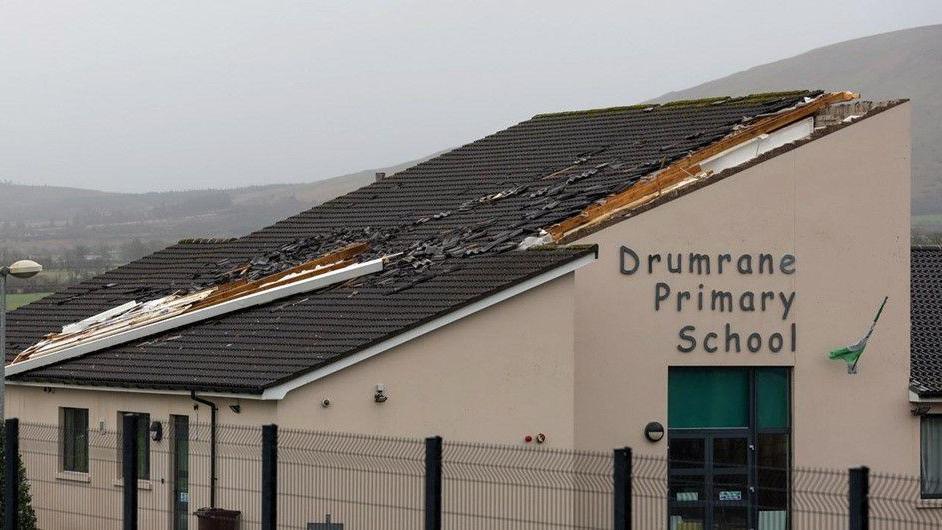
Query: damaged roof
x=448 y=229
x=260 y=347
x=926 y=321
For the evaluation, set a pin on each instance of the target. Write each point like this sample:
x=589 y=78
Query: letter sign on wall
x=710 y=296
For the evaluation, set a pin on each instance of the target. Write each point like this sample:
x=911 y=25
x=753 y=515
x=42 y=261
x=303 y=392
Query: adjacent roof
x=926 y=321
x=457 y=221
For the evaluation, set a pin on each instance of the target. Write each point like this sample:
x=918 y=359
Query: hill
x=77 y=232
x=900 y=64
x=39 y=216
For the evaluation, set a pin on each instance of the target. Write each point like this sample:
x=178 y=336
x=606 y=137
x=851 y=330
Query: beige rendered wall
x=494 y=376
x=840 y=204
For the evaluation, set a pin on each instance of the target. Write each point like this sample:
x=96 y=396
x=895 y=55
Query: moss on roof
x=703 y=102
x=206 y=240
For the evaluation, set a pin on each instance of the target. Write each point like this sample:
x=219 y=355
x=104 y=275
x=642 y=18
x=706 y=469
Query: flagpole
x=852 y=369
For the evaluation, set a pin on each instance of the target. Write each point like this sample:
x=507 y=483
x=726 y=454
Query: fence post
x=622 y=491
x=433 y=483
x=129 y=465
x=859 y=498
x=11 y=475
x=269 y=477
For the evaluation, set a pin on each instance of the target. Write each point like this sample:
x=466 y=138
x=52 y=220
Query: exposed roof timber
x=259 y=297
x=136 y=315
x=112 y=322
x=686 y=169
x=332 y=261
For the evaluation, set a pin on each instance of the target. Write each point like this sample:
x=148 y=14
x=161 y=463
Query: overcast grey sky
x=135 y=95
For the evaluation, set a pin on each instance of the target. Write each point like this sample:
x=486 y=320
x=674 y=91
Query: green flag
x=851 y=354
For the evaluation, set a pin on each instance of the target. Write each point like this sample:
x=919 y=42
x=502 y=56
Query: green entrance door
x=728 y=448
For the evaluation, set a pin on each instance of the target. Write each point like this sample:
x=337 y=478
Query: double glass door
x=710 y=481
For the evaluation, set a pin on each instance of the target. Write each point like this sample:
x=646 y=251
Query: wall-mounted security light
x=920 y=409
x=237 y=408
x=156 y=431
x=654 y=431
x=380 y=395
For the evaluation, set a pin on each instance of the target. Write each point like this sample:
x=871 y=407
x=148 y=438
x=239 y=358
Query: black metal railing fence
x=298 y=479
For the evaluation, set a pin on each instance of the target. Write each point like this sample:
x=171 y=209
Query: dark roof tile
x=926 y=321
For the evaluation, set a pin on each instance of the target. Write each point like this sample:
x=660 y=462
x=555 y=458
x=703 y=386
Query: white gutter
x=192 y=317
x=280 y=391
x=914 y=398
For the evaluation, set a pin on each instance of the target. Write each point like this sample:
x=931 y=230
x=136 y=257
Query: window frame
x=65 y=434
x=922 y=448
x=144 y=465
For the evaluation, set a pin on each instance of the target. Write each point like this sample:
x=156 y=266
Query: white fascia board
x=755 y=147
x=251 y=300
x=133 y=390
x=280 y=391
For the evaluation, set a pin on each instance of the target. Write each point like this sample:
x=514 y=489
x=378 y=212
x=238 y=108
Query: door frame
x=174 y=418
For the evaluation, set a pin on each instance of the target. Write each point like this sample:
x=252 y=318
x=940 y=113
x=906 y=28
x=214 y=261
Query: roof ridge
x=700 y=102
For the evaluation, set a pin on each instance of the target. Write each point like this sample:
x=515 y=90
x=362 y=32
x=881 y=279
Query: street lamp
x=21 y=269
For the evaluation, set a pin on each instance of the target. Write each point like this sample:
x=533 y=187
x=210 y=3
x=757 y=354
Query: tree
x=27 y=515
x=133 y=250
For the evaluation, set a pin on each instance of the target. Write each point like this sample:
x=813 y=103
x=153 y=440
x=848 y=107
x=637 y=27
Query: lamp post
x=21 y=269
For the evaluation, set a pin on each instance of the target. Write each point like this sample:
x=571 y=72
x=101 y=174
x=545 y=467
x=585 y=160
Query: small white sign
x=730 y=495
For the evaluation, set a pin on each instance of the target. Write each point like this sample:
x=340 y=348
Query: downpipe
x=212 y=445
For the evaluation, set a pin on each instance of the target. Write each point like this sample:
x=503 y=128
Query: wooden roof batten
x=688 y=168
x=134 y=321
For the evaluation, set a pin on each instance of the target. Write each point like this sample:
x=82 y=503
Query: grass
x=931 y=219
x=17 y=300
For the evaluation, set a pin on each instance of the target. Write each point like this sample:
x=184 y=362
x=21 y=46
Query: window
x=931 y=439
x=143 y=443
x=73 y=439
x=707 y=398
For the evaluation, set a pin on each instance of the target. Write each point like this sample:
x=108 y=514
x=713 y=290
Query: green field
x=932 y=219
x=16 y=300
